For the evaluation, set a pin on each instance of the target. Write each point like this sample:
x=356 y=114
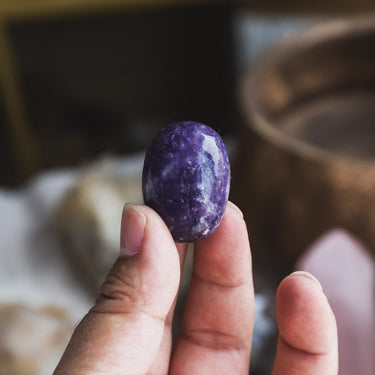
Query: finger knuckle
x=121 y=290
x=214 y=339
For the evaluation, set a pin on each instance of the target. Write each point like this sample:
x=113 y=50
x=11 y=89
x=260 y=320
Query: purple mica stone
x=186 y=178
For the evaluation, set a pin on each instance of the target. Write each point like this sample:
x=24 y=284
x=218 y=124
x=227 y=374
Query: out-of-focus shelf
x=290 y=7
x=22 y=138
x=23 y=9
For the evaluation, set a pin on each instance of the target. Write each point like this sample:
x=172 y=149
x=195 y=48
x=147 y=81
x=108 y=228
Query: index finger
x=217 y=326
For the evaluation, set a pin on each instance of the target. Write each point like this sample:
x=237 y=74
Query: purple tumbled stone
x=186 y=179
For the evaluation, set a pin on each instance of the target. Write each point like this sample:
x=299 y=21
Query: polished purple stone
x=186 y=179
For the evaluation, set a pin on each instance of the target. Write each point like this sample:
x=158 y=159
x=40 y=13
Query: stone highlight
x=186 y=179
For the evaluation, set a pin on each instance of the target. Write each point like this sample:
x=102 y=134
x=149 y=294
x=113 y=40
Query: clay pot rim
x=324 y=31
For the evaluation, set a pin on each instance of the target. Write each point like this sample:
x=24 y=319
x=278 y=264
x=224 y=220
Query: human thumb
x=122 y=333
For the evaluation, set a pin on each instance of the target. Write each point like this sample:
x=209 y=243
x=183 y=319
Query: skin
x=128 y=331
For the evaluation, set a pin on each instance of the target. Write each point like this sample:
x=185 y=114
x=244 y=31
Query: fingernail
x=236 y=208
x=132 y=230
x=308 y=275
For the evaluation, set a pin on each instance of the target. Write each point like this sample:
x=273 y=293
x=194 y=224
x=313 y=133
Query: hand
x=128 y=331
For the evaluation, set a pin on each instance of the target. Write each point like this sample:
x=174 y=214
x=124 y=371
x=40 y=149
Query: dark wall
x=106 y=83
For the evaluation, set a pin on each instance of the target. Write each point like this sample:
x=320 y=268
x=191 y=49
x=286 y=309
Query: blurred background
x=85 y=86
